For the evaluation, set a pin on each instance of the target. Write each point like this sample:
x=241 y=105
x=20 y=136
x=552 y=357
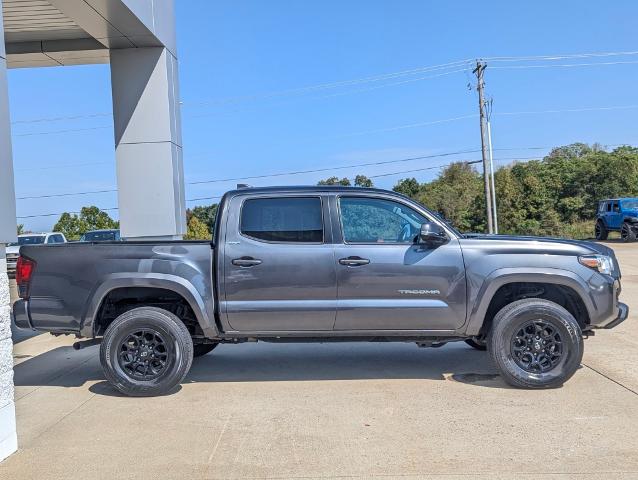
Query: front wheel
x=146 y=351
x=627 y=233
x=535 y=343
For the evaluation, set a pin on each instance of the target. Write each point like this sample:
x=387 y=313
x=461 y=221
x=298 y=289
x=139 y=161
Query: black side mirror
x=432 y=234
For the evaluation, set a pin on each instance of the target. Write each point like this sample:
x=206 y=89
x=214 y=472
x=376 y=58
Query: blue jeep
x=617 y=215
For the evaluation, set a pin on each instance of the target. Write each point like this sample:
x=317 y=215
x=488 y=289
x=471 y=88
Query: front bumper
x=623 y=313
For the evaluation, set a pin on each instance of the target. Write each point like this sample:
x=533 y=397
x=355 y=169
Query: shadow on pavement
x=65 y=367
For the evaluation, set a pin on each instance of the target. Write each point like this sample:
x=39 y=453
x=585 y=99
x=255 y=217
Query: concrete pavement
x=332 y=410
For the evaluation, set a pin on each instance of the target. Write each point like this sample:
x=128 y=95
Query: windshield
x=630 y=204
x=29 y=240
x=109 y=236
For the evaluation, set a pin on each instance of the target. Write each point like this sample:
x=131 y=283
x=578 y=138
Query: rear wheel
x=601 y=231
x=146 y=351
x=535 y=343
x=627 y=233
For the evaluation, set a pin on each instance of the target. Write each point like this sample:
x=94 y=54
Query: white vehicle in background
x=13 y=249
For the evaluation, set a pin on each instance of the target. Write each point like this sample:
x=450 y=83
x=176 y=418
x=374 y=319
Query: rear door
x=386 y=281
x=278 y=260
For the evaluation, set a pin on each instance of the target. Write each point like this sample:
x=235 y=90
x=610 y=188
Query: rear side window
x=295 y=220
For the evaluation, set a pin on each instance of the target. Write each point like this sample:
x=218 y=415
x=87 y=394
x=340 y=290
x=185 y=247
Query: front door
x=279 y=272
x=388 y=282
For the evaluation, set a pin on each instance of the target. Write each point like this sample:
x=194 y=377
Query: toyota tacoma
x=320 y=264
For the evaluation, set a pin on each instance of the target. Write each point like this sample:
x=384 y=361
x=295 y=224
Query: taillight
x=24 y=271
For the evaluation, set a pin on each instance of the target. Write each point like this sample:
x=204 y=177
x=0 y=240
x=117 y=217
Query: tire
x=477 y=344
x=627 y=234
x=143 y=339
x=203 y=348
x=601 y=231
x=509 y=350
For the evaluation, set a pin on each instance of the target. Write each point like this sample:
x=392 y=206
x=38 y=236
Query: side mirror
x=432 y=234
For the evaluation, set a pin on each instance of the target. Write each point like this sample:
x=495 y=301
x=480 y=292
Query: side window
x=374 y=220
x=289 y=219
x=616 y=206
x=609 y=206
x=51 y=239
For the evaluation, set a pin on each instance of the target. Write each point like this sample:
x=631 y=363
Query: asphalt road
x=333 y=410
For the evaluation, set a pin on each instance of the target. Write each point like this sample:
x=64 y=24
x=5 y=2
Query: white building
x=137 y=38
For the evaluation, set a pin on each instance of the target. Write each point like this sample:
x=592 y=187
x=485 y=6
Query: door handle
x=246 y=262
x=353 y=261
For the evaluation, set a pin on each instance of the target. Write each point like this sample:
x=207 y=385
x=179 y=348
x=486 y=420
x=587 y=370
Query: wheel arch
x=172 y=283
x=501 y=278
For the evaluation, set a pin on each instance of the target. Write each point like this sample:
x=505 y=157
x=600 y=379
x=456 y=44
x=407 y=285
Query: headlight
x=602 y=263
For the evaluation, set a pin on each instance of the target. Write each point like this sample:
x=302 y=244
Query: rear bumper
x=20 y=314
x=623 y=313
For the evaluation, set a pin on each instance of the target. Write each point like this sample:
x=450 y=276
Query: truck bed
x=71 y=279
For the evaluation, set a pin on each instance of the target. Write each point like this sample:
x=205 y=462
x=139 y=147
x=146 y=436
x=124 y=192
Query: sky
x=284 y=86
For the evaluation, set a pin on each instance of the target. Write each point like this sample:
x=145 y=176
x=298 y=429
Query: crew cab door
x=278 y=261
x=388 y=282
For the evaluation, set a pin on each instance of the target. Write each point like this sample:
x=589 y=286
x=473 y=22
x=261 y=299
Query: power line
x=559 y=56
x=254 y=177
x=467 y=162
x=369 y=79
x=327 y=169
x=325 y=86
x=561 y=65
x=56 y=195
x=58 y=214
x=55 y=132
x=59 y=119
x=410 y=125
x=318 y=170
x=570 y=110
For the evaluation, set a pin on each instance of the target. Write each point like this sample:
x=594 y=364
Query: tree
x=205 y=214
x=363 y=181
x=408 y=187
x=90 y=218
x=335 y=181
x=197 y=230
x=20 y=229
x=457 y=195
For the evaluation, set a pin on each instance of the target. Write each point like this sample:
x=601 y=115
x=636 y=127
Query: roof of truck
x=310 y=188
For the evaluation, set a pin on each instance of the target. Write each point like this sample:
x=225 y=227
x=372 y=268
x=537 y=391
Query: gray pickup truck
x=319 y=264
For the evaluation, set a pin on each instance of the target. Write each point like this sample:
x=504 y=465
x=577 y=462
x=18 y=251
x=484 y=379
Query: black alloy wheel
x=537 y=347
x=143 y=354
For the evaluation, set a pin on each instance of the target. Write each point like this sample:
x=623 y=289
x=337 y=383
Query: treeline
x=555 y=196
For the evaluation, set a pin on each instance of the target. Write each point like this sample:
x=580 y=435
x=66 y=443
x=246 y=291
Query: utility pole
x=489 y=144
x=480 y=67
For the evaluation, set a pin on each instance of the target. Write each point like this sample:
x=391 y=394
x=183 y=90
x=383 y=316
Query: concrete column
x=148 y=143
x=8 y=439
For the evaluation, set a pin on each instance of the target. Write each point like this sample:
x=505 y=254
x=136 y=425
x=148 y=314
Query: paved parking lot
x=332 y=410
